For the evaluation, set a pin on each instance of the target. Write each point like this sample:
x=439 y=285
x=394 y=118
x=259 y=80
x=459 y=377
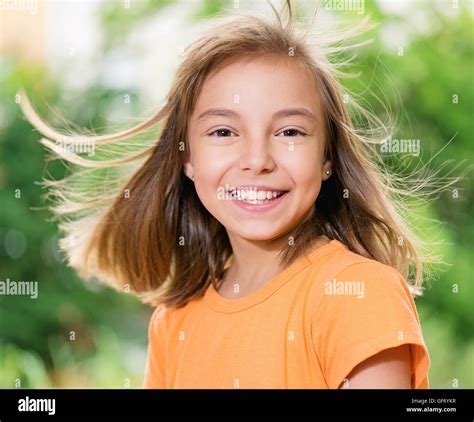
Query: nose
x=257 y=155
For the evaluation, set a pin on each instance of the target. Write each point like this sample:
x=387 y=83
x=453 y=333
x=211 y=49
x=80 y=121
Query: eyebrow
x=287 y=112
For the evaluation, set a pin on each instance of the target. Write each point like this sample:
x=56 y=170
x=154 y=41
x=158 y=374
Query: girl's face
x=256 y=139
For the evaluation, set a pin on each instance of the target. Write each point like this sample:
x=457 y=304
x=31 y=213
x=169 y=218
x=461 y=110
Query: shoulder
x=347 y=274
x=360 y=308
x=165 y=319
x=158 y=320
x=342 y=259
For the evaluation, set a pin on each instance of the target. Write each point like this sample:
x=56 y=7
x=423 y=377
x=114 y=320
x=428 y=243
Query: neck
x=255 y=260
x=254 y=263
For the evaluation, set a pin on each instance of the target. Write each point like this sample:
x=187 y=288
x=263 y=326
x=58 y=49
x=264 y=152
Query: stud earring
x=328 y=172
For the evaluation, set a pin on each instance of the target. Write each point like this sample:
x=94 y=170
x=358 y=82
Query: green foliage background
x=110 y=328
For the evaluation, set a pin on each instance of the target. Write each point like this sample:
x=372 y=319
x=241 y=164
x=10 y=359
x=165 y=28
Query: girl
x=260 y=224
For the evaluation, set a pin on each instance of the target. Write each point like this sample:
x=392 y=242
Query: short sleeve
x=155 y=365
x=365 y=309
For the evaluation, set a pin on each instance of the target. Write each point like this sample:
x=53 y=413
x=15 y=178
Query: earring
x=328 y=172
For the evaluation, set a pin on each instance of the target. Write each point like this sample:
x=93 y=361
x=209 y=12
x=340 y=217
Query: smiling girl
x=261 y=224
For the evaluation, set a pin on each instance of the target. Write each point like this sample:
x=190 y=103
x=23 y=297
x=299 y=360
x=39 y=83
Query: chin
x=258 y=233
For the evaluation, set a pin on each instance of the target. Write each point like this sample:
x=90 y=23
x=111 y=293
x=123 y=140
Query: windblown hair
x=125 y=219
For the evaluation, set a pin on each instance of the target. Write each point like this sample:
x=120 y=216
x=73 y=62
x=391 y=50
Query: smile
x=256 y=198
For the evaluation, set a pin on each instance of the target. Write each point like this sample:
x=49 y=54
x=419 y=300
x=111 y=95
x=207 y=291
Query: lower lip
x=260 y=207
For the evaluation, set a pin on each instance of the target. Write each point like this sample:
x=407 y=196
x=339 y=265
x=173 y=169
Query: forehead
x=268 y=83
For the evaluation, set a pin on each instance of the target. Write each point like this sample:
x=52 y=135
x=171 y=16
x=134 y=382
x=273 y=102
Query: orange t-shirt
x=308 y=327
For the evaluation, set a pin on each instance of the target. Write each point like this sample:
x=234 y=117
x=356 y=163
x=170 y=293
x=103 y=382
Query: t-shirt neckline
x=219 y=303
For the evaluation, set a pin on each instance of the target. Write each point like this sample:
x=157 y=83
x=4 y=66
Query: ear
x=326 y=170
x=188 y=169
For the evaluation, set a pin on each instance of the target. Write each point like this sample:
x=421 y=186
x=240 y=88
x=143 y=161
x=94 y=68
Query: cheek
x=210 y=167
x=304 y=167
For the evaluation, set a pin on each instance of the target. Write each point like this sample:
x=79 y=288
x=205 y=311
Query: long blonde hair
x=123 y=218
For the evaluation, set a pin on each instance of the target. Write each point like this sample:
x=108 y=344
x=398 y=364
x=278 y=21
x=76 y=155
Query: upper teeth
x=254 y=194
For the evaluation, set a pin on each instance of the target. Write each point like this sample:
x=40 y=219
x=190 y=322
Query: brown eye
x=221 y=133
x=293 y=132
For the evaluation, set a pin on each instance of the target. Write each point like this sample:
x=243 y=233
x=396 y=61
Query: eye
x=292 y=132
x=221 y=133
